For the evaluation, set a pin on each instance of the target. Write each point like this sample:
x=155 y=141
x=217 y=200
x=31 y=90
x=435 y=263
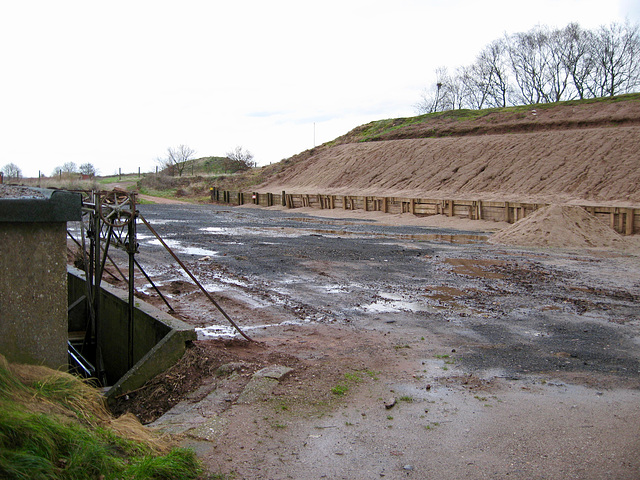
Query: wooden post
x=385 y=204
x=620 y=220
x=506 y=212
x=413 y=206
x=284 y=199
x=630 y=218
x=451 y=208
x=612 y=218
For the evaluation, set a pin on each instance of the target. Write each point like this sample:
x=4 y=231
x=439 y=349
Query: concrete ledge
x=161 y=357
x=45 y=206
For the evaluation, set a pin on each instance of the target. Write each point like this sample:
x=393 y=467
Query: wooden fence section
x=622 y=219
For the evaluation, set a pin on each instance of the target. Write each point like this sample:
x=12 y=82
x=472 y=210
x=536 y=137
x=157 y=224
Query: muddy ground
x=416 y=352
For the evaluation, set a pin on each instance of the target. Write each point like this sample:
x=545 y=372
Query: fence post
x=630 y=220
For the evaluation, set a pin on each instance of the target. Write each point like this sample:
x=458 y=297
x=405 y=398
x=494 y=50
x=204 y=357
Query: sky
x=117 y=83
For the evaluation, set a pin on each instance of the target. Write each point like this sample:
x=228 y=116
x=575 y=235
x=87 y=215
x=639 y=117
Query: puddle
x=446 y=294
x=225 y=331
x=475 y=267
x=160 y=222
x=180 y=248
x=393 y=303
x=293 y=232
x=461 y=239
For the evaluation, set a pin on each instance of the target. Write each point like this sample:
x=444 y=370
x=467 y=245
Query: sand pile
x=561 y=226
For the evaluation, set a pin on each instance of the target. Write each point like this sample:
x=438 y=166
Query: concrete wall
x=159 y=340
x=33 y=293
x=33 y=280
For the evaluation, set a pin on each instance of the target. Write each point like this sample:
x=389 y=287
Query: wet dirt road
x=514 y=312
x=416 y=352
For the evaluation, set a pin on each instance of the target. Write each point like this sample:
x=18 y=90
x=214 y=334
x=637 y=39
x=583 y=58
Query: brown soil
x=561 y=153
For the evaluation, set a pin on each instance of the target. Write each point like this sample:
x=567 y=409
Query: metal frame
x=110 y=218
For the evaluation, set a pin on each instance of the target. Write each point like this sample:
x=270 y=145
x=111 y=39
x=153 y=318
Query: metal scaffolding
x=110 y=219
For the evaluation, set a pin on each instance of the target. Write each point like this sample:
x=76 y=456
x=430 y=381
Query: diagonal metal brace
x=184 y=267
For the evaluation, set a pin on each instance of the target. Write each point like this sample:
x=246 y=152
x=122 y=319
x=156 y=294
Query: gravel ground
x=15 y=191
x=524 y=362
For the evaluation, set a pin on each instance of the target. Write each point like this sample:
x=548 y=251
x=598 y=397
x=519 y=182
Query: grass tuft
x=55 y=426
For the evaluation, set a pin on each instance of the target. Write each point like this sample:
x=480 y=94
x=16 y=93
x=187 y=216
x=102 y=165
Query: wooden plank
x=630 y=214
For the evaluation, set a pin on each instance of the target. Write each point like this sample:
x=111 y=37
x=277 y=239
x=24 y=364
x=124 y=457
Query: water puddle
x=178 y=247
x=393 y=303
x=445 y=294
x=476 y=267
x=224 y=331
x=293 y=232
x=459 y=239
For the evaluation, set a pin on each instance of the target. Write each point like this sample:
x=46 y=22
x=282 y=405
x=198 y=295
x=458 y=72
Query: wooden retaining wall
x=622 y=219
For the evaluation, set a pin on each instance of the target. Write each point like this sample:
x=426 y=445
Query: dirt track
x=502 y=362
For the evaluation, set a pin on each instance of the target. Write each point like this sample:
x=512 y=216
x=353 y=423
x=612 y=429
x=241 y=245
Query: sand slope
x=563 y=153
x=592 y=164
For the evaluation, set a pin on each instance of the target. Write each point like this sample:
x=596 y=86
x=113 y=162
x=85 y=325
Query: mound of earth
x=562 y=226
x=561 y=153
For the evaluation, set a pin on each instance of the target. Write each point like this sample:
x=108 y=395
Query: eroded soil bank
x=416 y=352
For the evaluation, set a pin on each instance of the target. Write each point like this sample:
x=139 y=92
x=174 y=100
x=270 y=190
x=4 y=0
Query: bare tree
x=12 y=172
x=617 y=60
x=69 y=167
x=88 y=169
x=177 y=159
x=438 y=98
x=540 y=66
x=528 y=53
x=558 y=75
x=239 y=159
x=486 y=81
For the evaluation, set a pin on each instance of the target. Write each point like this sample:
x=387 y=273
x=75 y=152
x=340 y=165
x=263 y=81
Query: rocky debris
x=262 y=383
x=14 y=191
x=390 y=403
x=200 y=417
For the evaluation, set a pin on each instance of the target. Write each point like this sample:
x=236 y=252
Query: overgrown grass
x=55 y=426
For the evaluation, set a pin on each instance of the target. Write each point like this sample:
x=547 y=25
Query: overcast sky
x=116 y=83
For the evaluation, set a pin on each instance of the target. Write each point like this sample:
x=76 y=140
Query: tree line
x=176 y=162
x=11 y=171
x=542 y=65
